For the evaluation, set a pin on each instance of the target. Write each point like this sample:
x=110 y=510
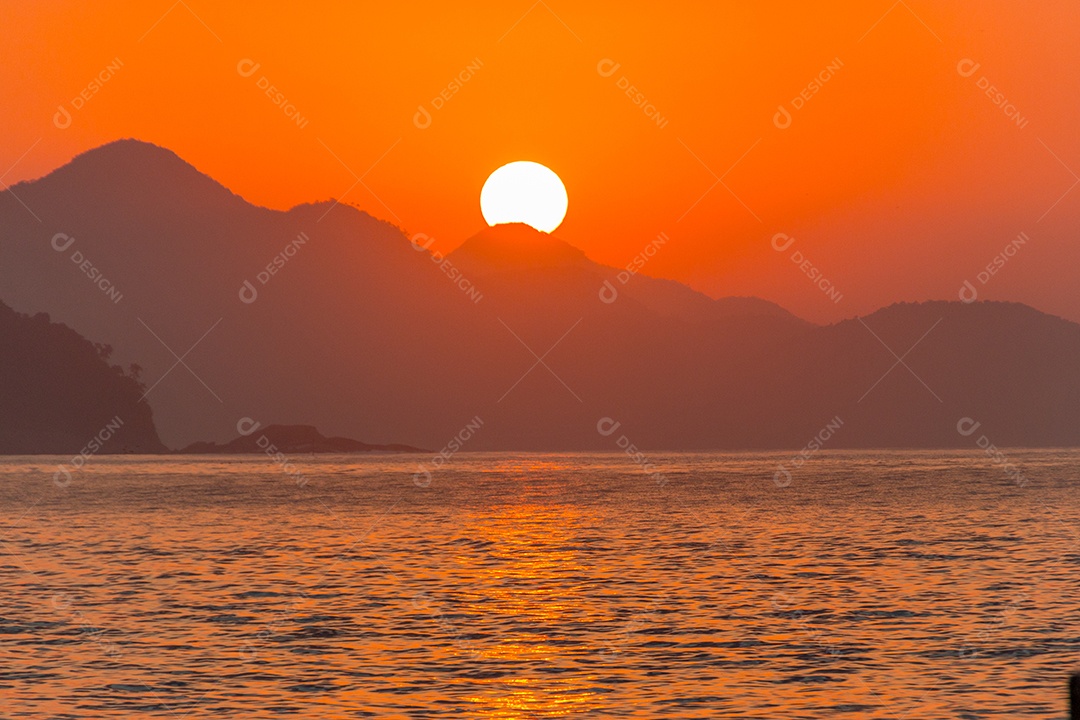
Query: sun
x=524 y=192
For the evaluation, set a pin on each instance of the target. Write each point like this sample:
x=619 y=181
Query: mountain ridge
x=329 y=316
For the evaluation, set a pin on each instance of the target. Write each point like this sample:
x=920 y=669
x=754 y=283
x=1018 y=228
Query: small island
x=292 y=439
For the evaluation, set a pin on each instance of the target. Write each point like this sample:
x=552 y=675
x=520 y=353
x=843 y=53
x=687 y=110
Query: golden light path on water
x=882 y=585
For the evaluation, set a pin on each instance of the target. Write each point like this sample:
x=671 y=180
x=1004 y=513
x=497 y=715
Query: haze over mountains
x=325 y=316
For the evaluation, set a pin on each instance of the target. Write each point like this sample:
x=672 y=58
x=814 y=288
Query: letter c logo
x=62 y=477
x=245 y=426
x=422 y=118
x=248 y=293
x=783 y=481
x=608 y=293
x=607 y=67
x=423 y=478
x=782 y=236
x=415 y=240
x=966 y=426
x=781 y=601
x=247 y=67
x=782 y=118
x=57 y=246
x=607 y=427
x=62 y=118
x=967 y=67
x=968 y=293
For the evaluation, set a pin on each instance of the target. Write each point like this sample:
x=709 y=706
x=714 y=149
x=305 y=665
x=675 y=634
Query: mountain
x=332 y=318
x=292 y=439
x=515 y=253
x=59 y=394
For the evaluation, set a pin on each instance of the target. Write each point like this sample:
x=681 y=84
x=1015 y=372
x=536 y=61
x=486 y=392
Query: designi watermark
x=608 y=292
x=246 y=426
x=607 y=427
x=607 y=68
x=448 y=268
x=967 y=68
x=62 y=477
x=248 y=292
x=967 y=427
x=782 y=119
x=422 y=477
x=782 y=476
x=781 y=242
x=62 y=118
x=247 y=68
x=422 y=117
x=968 y=292
x=62 y=602
x=61 y=242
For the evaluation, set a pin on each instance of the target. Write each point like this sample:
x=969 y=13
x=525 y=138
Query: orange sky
x=899 y=179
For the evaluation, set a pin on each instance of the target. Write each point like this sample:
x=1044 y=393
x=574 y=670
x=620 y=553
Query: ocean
x=907 y=584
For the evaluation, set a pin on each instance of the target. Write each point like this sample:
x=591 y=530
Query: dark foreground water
x=877 y=585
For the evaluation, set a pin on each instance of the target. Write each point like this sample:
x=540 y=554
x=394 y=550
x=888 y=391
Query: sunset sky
x=899 y=179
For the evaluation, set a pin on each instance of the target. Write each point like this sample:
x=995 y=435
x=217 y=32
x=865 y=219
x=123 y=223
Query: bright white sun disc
x=524 y=192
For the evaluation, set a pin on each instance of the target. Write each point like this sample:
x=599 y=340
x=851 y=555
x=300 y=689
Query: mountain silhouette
x=329 y=317
x=292 y=439
x=60 y=395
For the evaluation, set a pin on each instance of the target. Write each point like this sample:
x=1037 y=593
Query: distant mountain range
x=326 y=316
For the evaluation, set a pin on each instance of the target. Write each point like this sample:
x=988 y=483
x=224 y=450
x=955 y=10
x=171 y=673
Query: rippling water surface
x=876 y=585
